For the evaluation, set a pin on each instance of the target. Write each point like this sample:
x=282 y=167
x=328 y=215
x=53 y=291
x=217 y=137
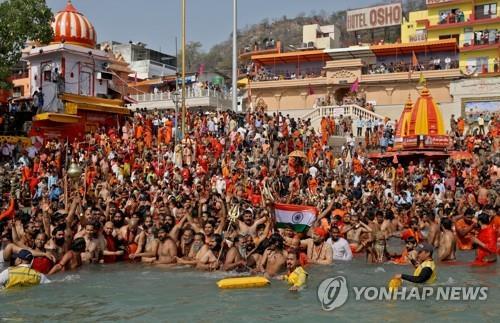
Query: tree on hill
x=20 y=21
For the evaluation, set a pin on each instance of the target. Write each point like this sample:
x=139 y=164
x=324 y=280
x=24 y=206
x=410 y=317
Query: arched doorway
x=340 y=94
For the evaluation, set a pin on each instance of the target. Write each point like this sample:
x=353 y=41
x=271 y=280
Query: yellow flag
x=422 y=80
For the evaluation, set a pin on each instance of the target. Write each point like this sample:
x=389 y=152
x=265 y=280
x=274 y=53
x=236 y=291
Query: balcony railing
x=482 y=42
x=190 y=94
x=458 y=21
x=452 y=19
x=288 y=76
x=399 y=67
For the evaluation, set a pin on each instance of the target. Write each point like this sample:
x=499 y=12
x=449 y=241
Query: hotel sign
x=374 y=17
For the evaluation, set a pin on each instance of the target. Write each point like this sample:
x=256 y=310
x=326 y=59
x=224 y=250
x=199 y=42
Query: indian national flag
x=299 y=217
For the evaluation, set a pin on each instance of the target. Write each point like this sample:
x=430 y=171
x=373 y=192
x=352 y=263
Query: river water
x=140 y=293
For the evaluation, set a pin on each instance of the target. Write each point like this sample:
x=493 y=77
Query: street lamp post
x=183 y=67
x=175 y=98
x=235 y=49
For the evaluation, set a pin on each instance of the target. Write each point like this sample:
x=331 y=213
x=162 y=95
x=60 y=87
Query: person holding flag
x=298 y=217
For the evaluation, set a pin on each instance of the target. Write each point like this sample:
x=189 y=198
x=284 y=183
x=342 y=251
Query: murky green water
x=140 y=293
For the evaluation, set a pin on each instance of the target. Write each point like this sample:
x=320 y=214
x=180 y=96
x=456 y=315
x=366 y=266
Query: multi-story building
x=453 y=44
x=320 y=37
x=73 y=80
x=297 y=83
x=144 y=62
x=474 y=24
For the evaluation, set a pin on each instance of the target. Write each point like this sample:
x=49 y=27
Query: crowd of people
x=207 y=200
x=13 y=117
x=265 y=74
x=451 y=17
x=434 y=63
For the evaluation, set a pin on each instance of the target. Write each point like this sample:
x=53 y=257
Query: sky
x=158 y=22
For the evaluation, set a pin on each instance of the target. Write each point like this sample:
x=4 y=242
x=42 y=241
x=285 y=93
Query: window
x=468 y=37
x=47 y=75
x=486 y=11
x=18 y=91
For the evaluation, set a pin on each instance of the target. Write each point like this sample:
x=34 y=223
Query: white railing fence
x=190 y=94
x=352 y=110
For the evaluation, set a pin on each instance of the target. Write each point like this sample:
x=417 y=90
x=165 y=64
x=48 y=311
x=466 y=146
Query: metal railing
x=190 y=94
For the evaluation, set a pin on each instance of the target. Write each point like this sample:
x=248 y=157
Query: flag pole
x=183 y=105
x=235 y=52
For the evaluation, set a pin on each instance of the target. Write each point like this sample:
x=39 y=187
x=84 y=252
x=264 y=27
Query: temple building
x=423 y=126
x=77 y=88
x=403 y=124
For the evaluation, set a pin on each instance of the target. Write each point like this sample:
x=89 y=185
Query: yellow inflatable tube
x=243 y=282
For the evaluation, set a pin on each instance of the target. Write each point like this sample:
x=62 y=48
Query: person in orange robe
x=168 y=131
x=313 y=185
x=329 y=157
x=284 y=130
x=161 y=134
x=470 y=144
x=148 y=138
x=357 y=166
x=310 y=156
x=139 y=130
x=461 y=125
x=486 y=241
x=332 y=126
x=324 y=131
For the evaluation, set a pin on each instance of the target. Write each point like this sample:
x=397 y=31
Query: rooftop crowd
x=206 y=201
